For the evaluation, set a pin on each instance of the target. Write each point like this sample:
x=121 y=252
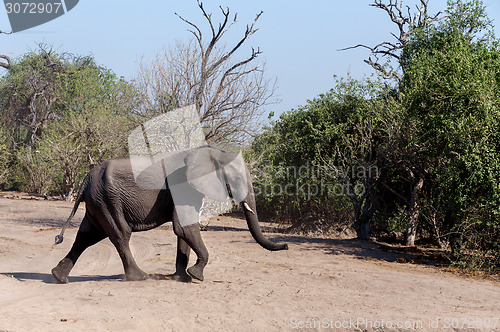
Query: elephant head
x=219 y=175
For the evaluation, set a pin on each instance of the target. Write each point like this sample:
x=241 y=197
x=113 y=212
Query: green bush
x=325 y=158
x=65 y=114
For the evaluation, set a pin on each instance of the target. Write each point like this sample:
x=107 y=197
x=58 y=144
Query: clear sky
x=299 y=39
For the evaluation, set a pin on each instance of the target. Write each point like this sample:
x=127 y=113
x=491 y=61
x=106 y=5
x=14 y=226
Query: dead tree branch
x=406 y=23
x=207 y=69
x=6 y=58
x=229 y=91
x=3 y=64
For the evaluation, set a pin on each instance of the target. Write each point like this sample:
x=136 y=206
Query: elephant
x=120 y=200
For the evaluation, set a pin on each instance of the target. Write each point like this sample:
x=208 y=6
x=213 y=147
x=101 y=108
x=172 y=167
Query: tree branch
x=7 y=65
x=228 y=92
x=207 y=70
x=249 y=31
x=197 y=34
x=406 y=24
x=386 y=73
x=404 y=199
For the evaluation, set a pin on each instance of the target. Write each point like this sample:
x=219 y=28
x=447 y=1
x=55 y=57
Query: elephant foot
x=136 y=276
x=182 y=277
x=196 y=272
x=61 y=271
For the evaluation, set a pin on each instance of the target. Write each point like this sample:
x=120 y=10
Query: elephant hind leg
x=120 y=240
x=132 y=271
x=88 y=235
x=119 y=233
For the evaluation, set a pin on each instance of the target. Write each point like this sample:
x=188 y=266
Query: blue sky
x=299 y=39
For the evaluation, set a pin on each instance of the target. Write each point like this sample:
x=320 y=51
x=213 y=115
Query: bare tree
x=406 y=22
x=229 y=94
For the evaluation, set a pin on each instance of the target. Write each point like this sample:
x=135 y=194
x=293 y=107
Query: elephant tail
x=59 y=238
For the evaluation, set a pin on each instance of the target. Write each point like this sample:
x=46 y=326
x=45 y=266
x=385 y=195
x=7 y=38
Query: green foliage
x=451 y=92
x=350 y=156
x=396 y=221
x=469 y=18
x=325 y=157
x=441 y=125
x=25 y=94
x=65 y=115
x=5 y=155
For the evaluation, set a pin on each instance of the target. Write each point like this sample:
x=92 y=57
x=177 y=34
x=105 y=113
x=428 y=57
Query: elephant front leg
x=181 y=261
x=191 y=235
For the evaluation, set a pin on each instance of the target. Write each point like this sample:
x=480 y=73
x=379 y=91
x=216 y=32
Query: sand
x=318 y=284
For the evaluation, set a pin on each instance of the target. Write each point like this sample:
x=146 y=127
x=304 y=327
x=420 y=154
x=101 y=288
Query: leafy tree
x=327 y=156
x=5 y=154
x=27 y=93
x=435 y=137
x=452 y=92
x=96 y=118
x=447 y=75
x=65 y=114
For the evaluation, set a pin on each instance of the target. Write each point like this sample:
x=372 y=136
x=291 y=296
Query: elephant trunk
x=248 y=206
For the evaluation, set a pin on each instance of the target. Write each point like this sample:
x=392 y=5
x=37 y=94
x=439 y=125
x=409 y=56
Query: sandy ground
x=318 y=284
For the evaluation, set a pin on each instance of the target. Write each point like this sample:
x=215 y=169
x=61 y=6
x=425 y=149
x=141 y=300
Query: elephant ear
x=204 y=174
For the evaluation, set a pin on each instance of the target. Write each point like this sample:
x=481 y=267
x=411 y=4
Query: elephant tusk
x=245 y=204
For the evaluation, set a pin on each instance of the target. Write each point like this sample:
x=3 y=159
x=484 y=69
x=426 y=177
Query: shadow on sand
x=49 y=279
x=359 y=249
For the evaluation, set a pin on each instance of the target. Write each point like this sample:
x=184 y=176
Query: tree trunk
x=413 y=212
x=69 y=195
x=443 y=243
x=363 y=213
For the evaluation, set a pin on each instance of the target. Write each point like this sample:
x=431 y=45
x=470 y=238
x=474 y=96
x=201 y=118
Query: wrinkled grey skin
x=116 y=206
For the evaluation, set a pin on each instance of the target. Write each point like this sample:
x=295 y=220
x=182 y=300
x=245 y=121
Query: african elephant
x=119 y=202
